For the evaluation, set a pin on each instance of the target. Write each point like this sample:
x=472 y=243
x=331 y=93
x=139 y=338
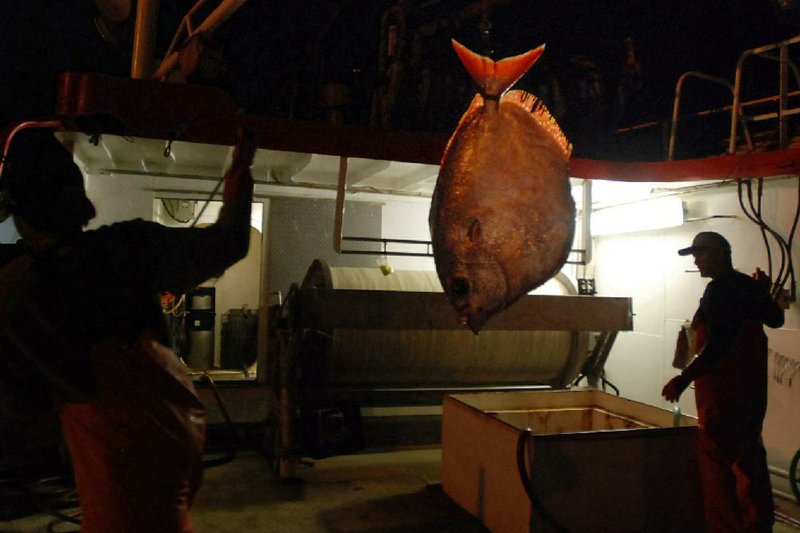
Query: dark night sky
x=279 y=52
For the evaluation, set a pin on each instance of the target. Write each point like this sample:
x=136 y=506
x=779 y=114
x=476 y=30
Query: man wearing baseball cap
x=730 y=377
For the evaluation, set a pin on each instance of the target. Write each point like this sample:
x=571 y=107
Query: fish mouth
x=460 y=290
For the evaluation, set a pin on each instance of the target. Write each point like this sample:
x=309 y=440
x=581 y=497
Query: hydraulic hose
x=233 y=445
x=524 y=443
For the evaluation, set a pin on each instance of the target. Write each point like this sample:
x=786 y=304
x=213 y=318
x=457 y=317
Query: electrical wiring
x=763 y=231
x=789 y=243
x=758 y=219
x=753 y=213
x=208 y=201
x=177 y=310
x=171 y=214
x=205 y=205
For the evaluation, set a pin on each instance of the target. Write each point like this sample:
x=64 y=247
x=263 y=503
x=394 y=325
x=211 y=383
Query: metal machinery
x=364 y=359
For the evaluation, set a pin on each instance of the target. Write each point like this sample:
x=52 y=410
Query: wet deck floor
x=378 y=492
x=394 y=492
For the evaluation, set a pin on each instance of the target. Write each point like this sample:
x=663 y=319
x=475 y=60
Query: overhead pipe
x=214 y=20
x=338 y=227
x=144 y=37
x=586 y=222
x=28 y=124
x=338 y=223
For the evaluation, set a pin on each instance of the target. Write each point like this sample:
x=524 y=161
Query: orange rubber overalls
x=730 y=377
x=85 y=323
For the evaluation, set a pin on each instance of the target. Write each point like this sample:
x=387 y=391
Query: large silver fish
x=502 y=215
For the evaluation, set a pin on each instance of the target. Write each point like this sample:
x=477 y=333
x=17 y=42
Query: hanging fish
x=502 y=215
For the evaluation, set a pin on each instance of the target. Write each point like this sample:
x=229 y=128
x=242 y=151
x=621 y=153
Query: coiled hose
x=525 y=443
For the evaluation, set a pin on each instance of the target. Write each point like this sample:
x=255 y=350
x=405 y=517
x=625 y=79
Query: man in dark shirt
x=730 y=376
x=81 y=327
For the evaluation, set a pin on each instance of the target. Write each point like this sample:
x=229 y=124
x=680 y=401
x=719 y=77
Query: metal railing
x=783 y=111
x=738 y=105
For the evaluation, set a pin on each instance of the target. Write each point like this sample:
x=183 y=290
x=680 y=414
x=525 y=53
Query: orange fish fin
x=542 y=116
x=496 y=77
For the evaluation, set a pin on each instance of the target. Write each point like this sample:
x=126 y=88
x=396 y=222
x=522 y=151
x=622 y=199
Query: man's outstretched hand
x=674 y=388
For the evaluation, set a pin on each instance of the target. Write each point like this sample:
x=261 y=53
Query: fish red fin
x=542 y=116
x=496 y=77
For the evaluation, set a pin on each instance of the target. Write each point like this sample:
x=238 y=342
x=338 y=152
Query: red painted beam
x=193 y=113
x=736 y=166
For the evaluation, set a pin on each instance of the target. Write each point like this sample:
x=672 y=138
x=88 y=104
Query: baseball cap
x=44 y=184
x=706 y=240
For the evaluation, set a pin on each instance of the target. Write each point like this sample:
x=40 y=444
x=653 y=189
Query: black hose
x=234 y=442
x=525 y=437
x=764 y=226
x=790 y=241
x=761 y=219
x=793 y=476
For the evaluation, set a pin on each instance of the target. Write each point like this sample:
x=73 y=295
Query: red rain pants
x=137 y=448
x=731 y=404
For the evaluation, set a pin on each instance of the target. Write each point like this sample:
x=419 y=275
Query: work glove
x=763 y=280
x=238 y=180
x=674 y=388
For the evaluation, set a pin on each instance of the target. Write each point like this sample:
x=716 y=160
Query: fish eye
x=459 y=287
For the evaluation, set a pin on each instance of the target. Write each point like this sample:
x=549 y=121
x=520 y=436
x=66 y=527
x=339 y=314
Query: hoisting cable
x=525 y=443
x=208 y=201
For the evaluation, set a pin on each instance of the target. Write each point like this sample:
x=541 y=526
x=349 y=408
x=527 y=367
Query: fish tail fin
x=496 y=77
x=542 y=116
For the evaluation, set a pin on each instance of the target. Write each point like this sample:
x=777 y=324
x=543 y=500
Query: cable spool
x=439 y=358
